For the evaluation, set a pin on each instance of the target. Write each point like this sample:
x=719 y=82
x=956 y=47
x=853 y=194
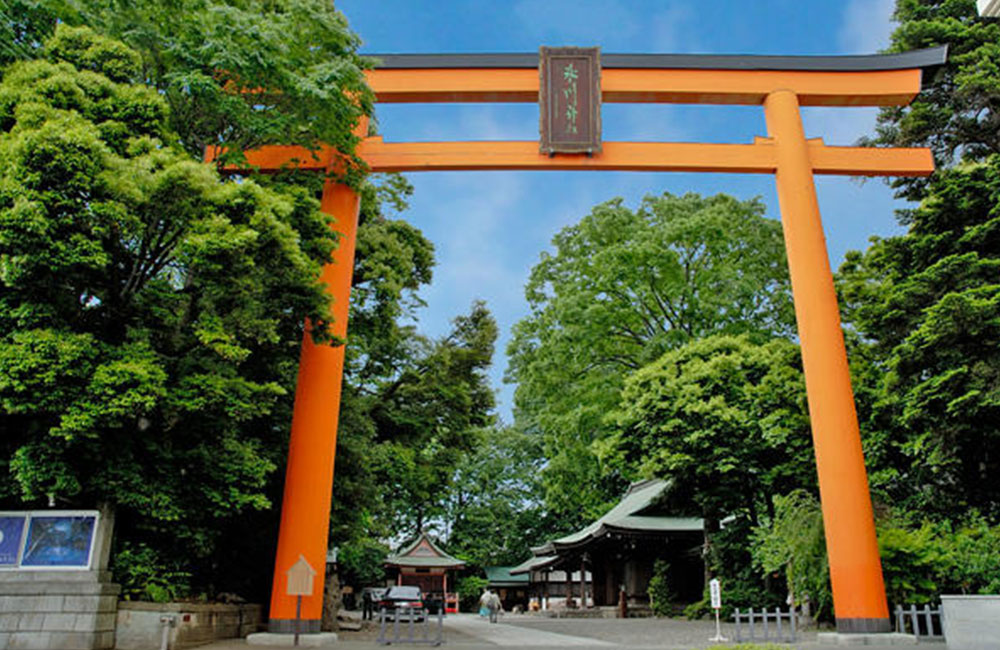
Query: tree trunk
x=708 y=552
x=332 y=602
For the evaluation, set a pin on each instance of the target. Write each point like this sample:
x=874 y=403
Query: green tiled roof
x=501 y=576
x=631 y=514
x=533 y=564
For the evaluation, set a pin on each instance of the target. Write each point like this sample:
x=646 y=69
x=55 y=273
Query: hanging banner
x=569 y=98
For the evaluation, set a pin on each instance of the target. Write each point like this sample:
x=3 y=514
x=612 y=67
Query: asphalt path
x=470 y=632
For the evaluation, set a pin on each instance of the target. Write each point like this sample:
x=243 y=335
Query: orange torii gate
x=781 y=85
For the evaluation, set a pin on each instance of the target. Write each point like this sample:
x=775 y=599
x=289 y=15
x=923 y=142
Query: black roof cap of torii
x=926 y=58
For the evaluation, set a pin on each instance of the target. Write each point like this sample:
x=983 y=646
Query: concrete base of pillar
x=880 y=639
x=318 y=640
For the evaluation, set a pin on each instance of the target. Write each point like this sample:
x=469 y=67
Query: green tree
x=622 y=287
x=660 y=590
x=925 y=306
x=242 y=73
x=495 y=510
x=24 y=25
x=793 y=542
x=956 y=114
x=425 y=421
x=147 y=308
x=725 y=420
x=928 y=305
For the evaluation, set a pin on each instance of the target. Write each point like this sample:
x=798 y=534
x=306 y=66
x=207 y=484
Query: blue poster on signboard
x=59 y=541
x=11 y=532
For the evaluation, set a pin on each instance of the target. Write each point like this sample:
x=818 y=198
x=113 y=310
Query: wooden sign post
x=300 y=583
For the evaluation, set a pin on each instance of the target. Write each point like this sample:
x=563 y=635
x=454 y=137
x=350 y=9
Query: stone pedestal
x=142 y=626
x=971 y=622
x=316 y=640
x=874 y=639
x=62 y=609
x=57 y=610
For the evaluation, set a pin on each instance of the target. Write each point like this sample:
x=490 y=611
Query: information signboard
x=11 y=535
x=54 y=539
x=716 y=592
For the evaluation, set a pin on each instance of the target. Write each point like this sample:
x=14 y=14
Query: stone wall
x=140 y=625
x=57 y=610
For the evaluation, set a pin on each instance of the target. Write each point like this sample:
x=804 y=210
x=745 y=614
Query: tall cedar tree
x=926 y=305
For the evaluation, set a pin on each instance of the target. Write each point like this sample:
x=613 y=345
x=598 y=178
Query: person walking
x=494 y=606
x=484 y=604
x=366 y=605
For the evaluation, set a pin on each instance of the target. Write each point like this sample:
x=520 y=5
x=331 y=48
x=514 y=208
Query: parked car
x=402 y=596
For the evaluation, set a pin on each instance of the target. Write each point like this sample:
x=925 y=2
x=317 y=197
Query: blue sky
x=489 y=228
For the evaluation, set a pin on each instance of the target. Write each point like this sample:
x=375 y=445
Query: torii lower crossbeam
x=761 y=157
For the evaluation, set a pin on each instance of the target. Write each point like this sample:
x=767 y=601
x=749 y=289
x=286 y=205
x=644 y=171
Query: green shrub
x=912 y=560
x=919 y=564
x=793 y=544
x=699 y=609
x=974 y=551
x=361 y=563
x=144 y=575
x=660 y=595
x=469 y=589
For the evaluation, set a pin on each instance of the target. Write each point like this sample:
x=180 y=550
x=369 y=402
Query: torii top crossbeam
x=873 y=80
x=780 y=85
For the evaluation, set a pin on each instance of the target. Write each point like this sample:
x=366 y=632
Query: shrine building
x=422 y=563
x=617 y=552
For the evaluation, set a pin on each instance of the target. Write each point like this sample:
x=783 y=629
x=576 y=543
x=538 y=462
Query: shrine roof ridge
x=925 y=58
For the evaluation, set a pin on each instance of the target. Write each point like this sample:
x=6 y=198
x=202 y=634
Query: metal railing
x=782 y=633
x=407 y=629
x=923 y=623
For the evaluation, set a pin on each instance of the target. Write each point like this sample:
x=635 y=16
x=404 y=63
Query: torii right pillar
x=855 y=570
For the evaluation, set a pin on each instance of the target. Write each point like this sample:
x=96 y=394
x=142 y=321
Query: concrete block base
x=881 y=639
x=971 y=622
x=141 y=625
x=318 y=640
x=57 y=610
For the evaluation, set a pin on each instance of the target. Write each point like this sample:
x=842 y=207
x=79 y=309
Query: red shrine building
x=422 y=563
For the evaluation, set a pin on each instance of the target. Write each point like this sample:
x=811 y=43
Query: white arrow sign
x=300 y=578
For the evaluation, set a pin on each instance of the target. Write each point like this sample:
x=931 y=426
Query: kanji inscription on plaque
x=569 y=97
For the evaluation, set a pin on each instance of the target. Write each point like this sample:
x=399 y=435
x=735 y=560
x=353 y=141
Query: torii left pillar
x=305 y=508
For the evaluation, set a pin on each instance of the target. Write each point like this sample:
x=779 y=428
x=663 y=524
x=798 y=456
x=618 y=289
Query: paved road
x=509 y=634
x=469 y=632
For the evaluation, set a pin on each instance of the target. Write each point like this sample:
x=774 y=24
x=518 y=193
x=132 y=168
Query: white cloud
x=866 y=26
x=865 y=29
x=673 y=30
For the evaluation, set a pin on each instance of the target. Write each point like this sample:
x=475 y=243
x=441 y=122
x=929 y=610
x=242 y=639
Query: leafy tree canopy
x=242 y=73
x=495 y=510
x=147 y=309
x=926 y=304
x=426 y=420
x=722 y=417
x=622 y=287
